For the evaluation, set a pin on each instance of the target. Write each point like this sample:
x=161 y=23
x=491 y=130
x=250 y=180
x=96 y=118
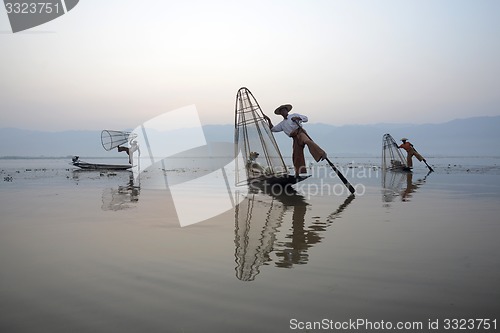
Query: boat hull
x=282 y=181
x=97 y=166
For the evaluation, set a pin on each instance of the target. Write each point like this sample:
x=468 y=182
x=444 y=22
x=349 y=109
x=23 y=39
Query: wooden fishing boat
x=97 y=166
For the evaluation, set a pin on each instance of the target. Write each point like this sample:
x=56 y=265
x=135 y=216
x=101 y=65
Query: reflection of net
x=255 y=235
x=392 y=159
x=253 y=135
x=112 y=139
x=392 y=184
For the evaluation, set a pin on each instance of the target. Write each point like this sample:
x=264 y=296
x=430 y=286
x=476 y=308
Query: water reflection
x=395 y=184
x=300 y=238
x=113 y=198
x=120 y=198
x=258 y=220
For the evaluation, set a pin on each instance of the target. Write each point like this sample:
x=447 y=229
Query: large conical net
x=255 y=142
x=392 y=158
x=112 y=139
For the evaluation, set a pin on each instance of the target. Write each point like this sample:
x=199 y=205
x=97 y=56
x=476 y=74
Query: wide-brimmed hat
x=404 y=139
x=288 y=107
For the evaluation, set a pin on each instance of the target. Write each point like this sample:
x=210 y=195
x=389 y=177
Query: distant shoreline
x=359 y=155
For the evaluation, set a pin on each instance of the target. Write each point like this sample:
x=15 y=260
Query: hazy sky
x=117 y=63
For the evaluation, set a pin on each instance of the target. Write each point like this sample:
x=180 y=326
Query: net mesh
x=256 y=225
x=392 y=185
x=112 y=139
x=392 y=158
x=255 y=141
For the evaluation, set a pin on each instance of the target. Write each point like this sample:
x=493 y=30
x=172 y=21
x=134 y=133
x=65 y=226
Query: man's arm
x=269 y=121
x=277 y=128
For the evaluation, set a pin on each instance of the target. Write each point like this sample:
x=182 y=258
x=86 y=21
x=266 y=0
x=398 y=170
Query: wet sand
x=93 y=252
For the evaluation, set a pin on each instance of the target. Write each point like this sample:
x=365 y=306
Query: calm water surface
x=95 y=252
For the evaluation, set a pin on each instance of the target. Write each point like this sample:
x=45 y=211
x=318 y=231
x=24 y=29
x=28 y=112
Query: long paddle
x=337 y=171
x=430 y=169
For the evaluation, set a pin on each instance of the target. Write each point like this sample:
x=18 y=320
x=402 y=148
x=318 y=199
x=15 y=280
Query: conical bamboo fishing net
x=392 y=158
x=255 y=141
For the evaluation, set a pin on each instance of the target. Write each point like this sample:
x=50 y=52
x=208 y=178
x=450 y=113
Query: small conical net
x=255 y=142
x=392 y=158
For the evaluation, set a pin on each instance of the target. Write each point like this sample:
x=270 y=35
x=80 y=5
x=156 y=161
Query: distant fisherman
x=300 y=138
x=410 y=150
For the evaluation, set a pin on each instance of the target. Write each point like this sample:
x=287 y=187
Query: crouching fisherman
x=130 y=150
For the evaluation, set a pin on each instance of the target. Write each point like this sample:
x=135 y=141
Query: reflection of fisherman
x=130 y=150
x=301 y=238
x=406 y=145
x=299 y=136
x=410 y=187
x=295 y=250
x=256 y=230
x=120 y=198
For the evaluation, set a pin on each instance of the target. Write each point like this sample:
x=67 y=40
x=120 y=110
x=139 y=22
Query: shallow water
x=96 y=252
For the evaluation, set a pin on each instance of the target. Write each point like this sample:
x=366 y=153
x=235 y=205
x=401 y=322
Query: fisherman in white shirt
x=290 y=125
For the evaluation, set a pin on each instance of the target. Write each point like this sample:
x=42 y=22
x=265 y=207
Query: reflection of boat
x=97 y=166
x=258 y=219
x=262 y=161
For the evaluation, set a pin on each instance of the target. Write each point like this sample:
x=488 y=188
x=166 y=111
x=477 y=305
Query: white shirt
x=288 y=125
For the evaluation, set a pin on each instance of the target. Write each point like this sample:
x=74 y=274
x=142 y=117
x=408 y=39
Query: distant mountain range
x=477 y=136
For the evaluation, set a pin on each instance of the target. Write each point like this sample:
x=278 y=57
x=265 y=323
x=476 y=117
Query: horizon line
x=309 y=123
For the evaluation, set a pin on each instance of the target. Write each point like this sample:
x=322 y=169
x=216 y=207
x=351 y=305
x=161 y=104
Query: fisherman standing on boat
x=406 y=145
x=290 y=125
x=130 y=150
